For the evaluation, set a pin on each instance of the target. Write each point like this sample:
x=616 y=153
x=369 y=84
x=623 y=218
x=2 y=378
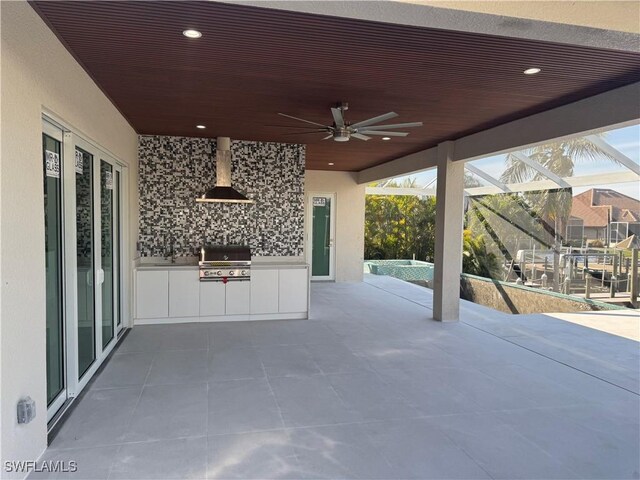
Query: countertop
x=160 y=263
x=191 y=263
x=277 y=265
x=278 y=262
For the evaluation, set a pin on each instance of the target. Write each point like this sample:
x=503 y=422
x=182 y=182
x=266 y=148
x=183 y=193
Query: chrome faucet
x=169 y=252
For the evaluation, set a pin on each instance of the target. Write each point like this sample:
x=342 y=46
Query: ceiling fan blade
x=328 y=137
x=305 y=133
x=337 y=117
x=302 y=120
x=290 y=126
x=371 y=121
x=360 y=136
x=395 y=125
x=385 y=134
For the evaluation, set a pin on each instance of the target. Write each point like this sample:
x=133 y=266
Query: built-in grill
x=225 y=263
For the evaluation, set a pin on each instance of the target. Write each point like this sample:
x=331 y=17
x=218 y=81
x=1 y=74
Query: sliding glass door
x=83 y=237
x=98 y=233
x=85 y=265
x=117 y=255
x=54 y=275
x=109 y=250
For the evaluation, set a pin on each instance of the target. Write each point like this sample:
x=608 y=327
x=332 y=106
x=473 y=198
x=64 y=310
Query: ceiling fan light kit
x=341 y=134
x=342 y=131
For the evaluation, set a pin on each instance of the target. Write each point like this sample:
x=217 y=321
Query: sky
x=626 y=140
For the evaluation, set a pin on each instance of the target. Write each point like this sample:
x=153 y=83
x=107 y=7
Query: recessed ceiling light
x=330 y=163
x=386 y=138
x=532 y=71
x=190 y=33
x=200 y=126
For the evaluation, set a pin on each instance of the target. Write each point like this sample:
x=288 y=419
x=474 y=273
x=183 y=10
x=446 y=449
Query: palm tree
x=553 y=206
x=477 y=259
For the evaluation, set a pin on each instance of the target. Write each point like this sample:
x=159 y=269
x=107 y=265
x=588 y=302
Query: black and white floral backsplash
x=173 y=171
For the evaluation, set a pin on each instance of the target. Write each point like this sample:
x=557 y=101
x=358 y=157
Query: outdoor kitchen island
x=167 y=292
x=227 y=244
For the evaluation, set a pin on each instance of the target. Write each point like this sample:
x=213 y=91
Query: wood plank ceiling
x=252 y=63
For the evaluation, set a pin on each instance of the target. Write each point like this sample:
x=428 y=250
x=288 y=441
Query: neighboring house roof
x=628 y=216
x=599 y=206
x=629 y=242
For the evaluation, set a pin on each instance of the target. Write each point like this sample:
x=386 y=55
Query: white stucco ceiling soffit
x=420 y=15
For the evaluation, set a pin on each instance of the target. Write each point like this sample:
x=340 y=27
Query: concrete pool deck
x=369 y=387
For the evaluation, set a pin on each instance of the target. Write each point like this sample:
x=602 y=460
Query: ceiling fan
x=342 y=131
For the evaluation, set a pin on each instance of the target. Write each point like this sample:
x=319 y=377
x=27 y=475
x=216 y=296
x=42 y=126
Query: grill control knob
x=207 y=273
x=243 y=273
x=218 y=273
x=231 y=273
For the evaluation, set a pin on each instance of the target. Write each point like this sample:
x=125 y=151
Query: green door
x=321 y=241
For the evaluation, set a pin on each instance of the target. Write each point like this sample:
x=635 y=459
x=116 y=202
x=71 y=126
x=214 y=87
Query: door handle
x=100 y=276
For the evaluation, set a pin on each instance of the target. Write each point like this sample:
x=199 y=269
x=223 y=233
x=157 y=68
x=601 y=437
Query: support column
x=448 y=247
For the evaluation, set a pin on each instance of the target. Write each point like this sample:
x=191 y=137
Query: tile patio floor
x=370 y=387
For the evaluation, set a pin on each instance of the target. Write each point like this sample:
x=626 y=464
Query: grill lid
x=225 y=253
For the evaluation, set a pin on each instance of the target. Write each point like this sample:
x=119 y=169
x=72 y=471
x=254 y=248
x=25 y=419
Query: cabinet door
x=238 y=298
x=152 y=294
x=293 y=290
x=264 y=291
x=184 y=293
x=212 y=298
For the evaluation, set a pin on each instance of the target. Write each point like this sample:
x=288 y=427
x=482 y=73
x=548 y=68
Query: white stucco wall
x=349 y=240
x=38 y=73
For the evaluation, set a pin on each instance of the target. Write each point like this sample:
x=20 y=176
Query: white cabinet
x=238 y=298
x=184 y=293
x=217 y=299
x=152 y=294
x=212 y=298
x=264 y=291
x=176 y=294
x=293 y=290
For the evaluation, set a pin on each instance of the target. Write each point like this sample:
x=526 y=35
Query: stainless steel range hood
x=223 y=192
